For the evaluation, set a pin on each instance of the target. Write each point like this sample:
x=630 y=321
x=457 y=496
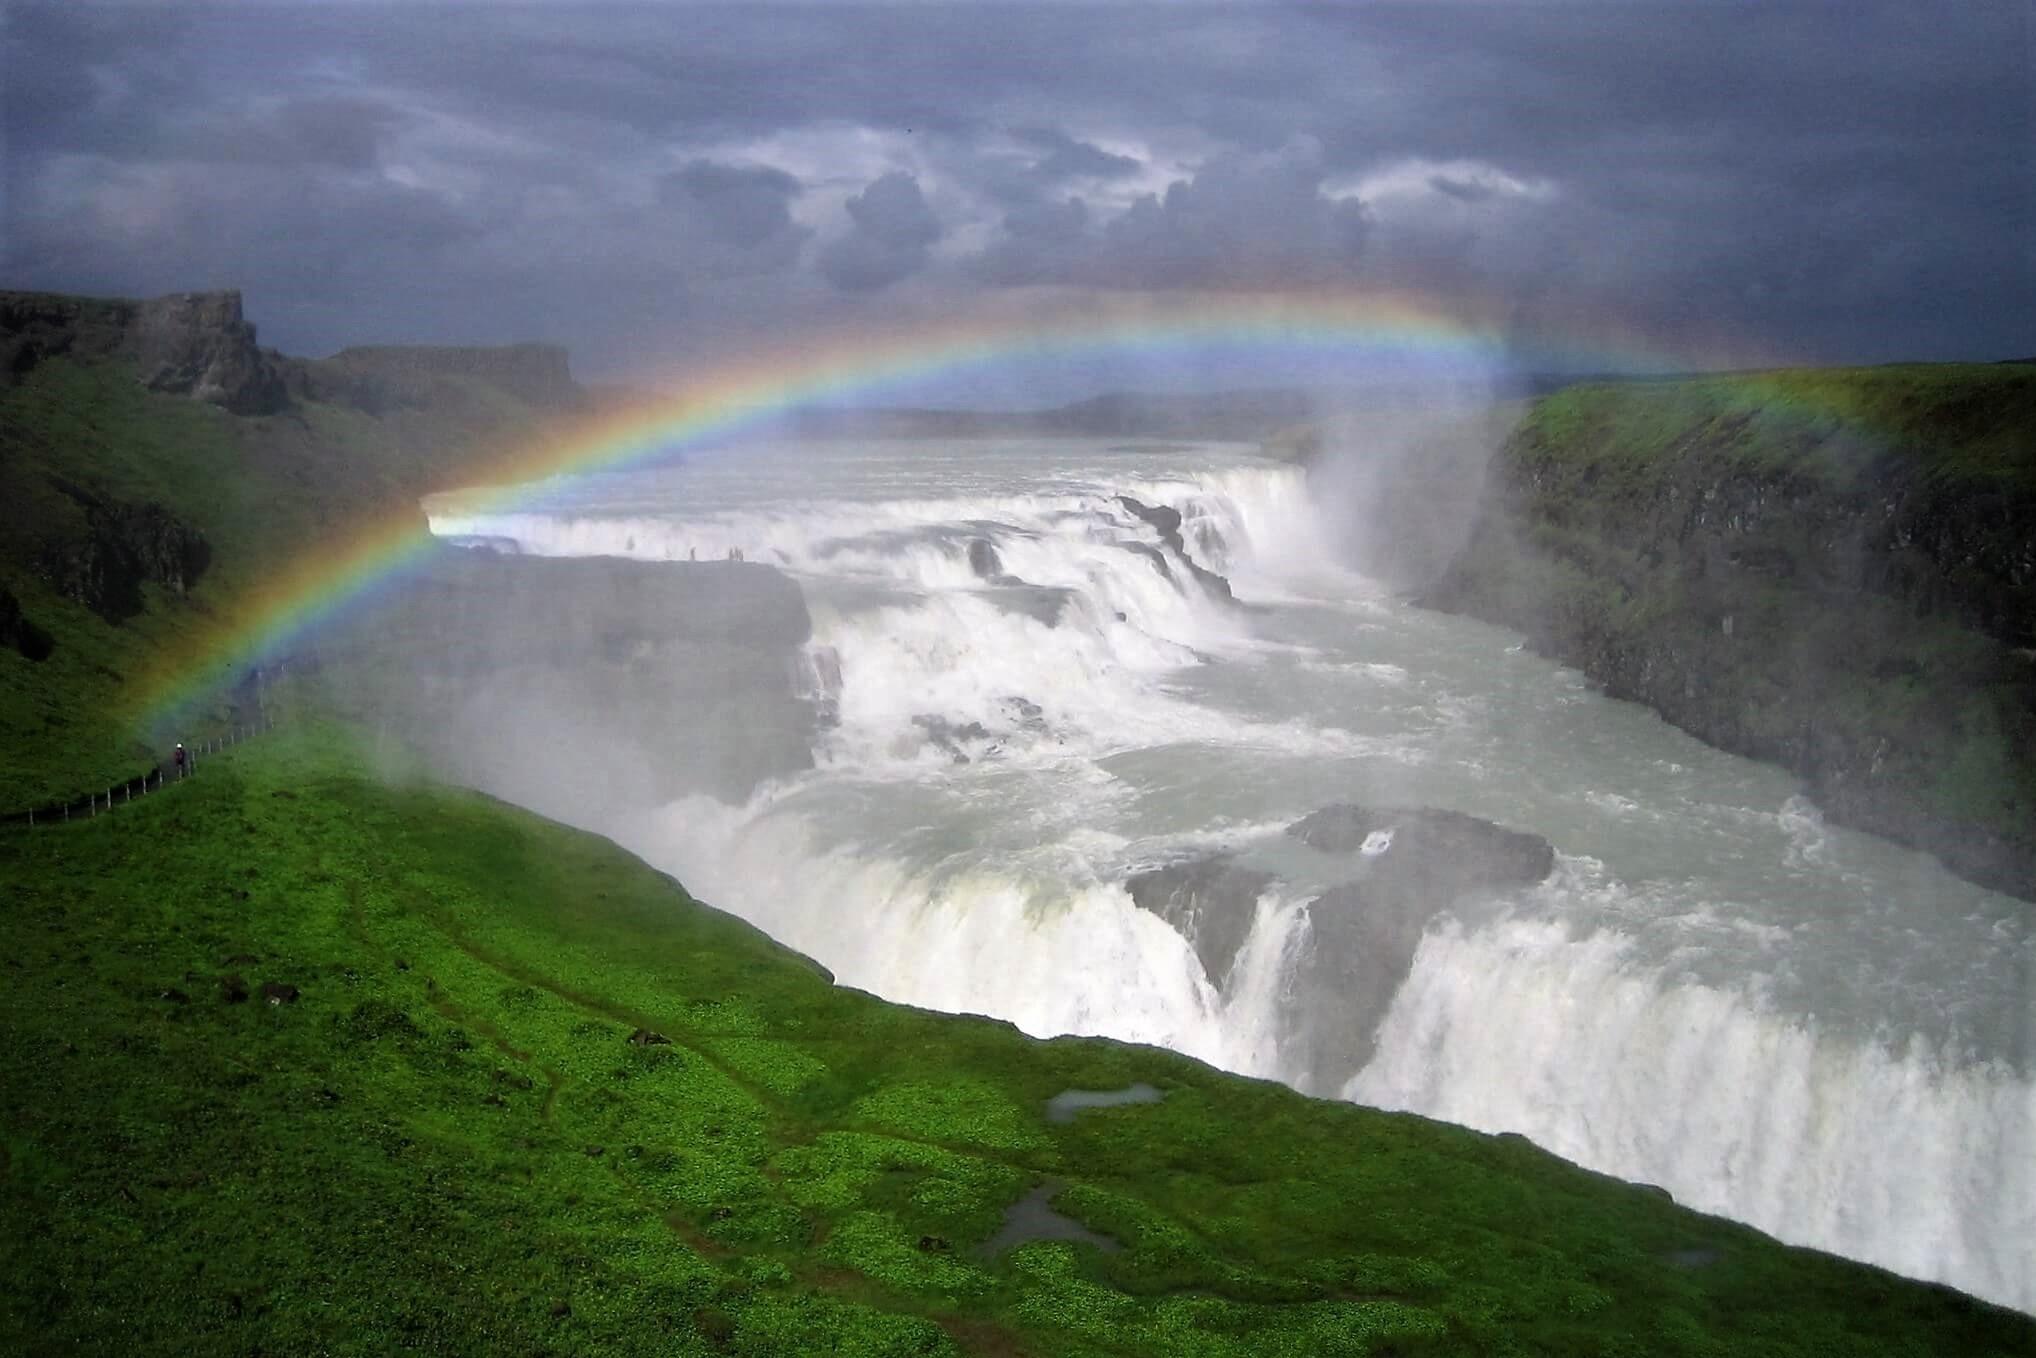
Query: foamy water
x=1031 y=698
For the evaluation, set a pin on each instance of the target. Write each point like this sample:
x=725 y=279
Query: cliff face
x=197 y=344
x=194 y=344
x=124 y=546
x=585 y=688
x=1833 y=571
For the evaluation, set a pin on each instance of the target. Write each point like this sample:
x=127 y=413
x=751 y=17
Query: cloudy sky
x=658 y=184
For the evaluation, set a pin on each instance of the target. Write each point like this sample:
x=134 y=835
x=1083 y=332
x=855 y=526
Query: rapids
x=1028 y=696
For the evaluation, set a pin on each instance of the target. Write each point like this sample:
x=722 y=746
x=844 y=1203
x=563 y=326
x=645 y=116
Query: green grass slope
x=447 y=1140
x=259 y=490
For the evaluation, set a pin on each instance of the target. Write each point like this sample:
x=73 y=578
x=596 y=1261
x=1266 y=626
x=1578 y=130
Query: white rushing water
x=1031 y=698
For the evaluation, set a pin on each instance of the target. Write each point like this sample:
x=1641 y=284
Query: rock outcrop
x=1428 y=852
x=198 y=344
x=36 y=326
x=1166 y=521
x=1209 y=901
x=194 y=344
x=20 y=635
x=1401 y=867
x=583 y=687
x=124 y=547
x=1834 y=571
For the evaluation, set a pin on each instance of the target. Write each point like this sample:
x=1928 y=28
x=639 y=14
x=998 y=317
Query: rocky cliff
x=198 y=344
x=123 y=546
x=194 y=344
x=1835 y=571
x=587 y=688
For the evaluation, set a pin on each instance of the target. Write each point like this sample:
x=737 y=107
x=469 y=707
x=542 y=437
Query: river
x=1030 y=697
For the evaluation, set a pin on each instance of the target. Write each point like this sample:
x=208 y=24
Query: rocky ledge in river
x=1427 y=851
x=1166 y=521
x=1406 y=865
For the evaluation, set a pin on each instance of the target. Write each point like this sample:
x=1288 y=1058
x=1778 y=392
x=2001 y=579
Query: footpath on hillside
x=99 y=802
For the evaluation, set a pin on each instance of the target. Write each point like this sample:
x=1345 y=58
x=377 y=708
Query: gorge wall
x=583 y=687
x=1832 y=570
x=195 y=344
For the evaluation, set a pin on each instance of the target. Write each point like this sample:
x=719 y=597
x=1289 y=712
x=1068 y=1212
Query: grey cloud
x=336 y=132
x=891 y=237
x=1239 y=221
x=1046 y=242
x=1837 y=182
x=739 y=214
x=1065 y=157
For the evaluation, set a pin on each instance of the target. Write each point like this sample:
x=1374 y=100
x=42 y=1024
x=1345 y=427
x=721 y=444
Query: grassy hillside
x=257 y=489
x=456 y=1133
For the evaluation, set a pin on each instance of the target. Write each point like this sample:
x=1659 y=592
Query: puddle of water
x=1032 y=1218
x=1063 y=1106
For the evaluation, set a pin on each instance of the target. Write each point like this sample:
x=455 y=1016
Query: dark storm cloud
x=738 y=218
x=1063 y=157
x=1835 y=182
x=1239 y=221
x=891 y=234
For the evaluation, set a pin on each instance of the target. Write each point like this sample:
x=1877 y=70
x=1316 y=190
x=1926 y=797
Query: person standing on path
x=181 y=760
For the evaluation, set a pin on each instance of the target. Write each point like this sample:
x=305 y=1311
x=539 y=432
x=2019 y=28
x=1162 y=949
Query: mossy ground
x=449 y=1143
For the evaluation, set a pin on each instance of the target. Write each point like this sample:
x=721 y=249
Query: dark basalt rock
x=278 y=993
x=17 y=632
x=951 y=737
x=983 y=559
x=1166 y=521
x=1794 y=586
x=644 y=1037
x=1434 y=853
x=233 y=989
x=1155 y=556
x=1209 y=901
x=199 y=345
x=1362 y=939
x=1362 y=934
x=124 y=547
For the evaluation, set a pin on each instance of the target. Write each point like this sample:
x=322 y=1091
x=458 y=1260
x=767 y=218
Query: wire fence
x=99 y=803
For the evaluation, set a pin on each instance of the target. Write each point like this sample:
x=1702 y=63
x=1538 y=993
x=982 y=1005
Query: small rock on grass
x=232 y=988
x=644 y=1037
x=276 y=992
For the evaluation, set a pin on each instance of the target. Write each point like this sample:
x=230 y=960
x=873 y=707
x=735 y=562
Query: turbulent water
x=1029 y=696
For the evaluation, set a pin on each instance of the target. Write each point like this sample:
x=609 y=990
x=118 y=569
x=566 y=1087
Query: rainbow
x=822 y=368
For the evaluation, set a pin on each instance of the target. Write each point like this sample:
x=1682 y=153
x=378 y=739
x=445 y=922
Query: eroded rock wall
x=1833 y=572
